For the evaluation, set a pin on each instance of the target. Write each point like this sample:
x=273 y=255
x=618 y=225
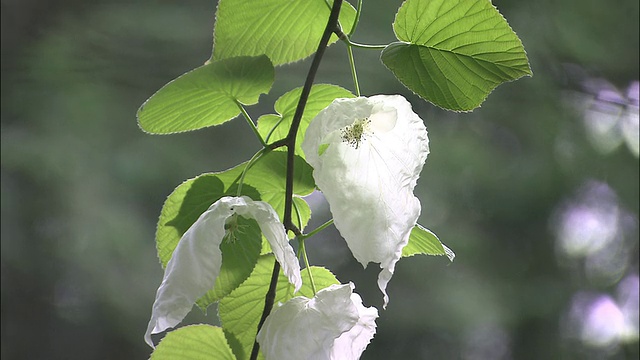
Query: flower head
x=332 y=325
x=196 y=261
x=367 y=154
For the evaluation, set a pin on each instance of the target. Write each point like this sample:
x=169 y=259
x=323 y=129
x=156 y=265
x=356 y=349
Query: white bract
x=195 y=263
x=332 y=325
x=367 y=154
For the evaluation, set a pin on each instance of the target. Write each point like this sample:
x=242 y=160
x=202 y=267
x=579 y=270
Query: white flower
x=367 y=154
x=332 y=325
x=195 y=263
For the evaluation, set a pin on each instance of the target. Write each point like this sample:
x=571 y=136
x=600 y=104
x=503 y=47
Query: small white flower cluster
x=367 y=154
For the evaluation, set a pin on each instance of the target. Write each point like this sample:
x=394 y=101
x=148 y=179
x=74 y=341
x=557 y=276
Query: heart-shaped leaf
x=206 y=96
x=423 y=241
x=194 y=342
x=264 y=181
x=453 y=53
x=284 y=30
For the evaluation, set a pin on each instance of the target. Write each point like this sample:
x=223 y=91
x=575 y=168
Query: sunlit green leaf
x=206 y=96
x=423 y=241
x=241 y=310
x=284 y=30
x=264 y=181
x=453 y=53
x=320 y=97
x=194 y=342
x=183 y=207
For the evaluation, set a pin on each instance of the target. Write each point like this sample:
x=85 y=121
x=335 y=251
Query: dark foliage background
x=537 y=191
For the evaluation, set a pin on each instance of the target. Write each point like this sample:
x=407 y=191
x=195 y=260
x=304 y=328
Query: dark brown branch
x=268 y=305
x=297 y=117
x=290 y=143
x=276 y=144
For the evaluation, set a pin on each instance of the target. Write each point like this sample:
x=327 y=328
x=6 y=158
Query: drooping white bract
x=332 y=325
x=367 y=154
x=195 y=263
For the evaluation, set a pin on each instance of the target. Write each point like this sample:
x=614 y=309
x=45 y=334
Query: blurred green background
x=536 y=191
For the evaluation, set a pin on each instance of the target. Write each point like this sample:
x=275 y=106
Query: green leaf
x=241 y=310
x=207 y=96
x=454 y=52
x=238 y=259
x=194 y=342
x=423 y=241
x=284 y=30
x=319 y=98
x=264 y=181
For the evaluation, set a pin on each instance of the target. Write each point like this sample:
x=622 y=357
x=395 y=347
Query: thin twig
x=268 y=304
x=297 y=117
x=291 y=147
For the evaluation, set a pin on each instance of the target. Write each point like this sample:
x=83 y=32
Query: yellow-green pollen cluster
x=232 y=228
x=353 y=134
